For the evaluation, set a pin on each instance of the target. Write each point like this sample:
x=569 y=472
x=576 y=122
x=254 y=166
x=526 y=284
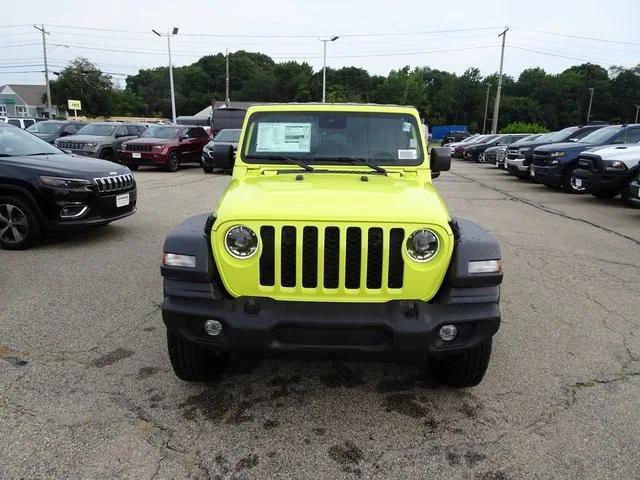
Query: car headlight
x=614 y=166
x=557 y=154
x=158 y=147
x=241 y=242
x=422 y=245
x=61 y=182
x=523 y=150
x=90 y=144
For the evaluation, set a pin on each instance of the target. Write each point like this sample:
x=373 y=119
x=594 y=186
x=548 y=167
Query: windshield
x=488 y=138
x=562 y=135
x=45 y=127
x=228 y=135
x=602 y=135
x=471 y=139
x=97 y=129
x=321 y=137
x=162 y=132
x=15 y=142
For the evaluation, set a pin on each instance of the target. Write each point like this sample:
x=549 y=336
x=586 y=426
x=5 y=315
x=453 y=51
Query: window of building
x=3 y=110
x=21 y=111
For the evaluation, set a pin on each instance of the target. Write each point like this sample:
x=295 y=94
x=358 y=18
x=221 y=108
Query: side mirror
x=64 y=134
x=440 y=160
x=573 y=139
x=223 y=156
x=181 y=138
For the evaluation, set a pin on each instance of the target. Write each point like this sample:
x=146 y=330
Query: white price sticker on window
x=407 y=154
x=284 y=137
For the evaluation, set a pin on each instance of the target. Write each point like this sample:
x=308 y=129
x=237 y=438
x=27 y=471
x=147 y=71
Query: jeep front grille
x=332 y=257
x=71 y=145
x=138 y=148
x=115 y=183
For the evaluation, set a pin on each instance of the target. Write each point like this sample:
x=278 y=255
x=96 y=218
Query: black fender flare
x=26 y=194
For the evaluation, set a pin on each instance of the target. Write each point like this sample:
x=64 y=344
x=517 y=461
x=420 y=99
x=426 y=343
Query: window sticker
x=406 y=126
x=412 y=143
x=284 y=137
x=407 y=154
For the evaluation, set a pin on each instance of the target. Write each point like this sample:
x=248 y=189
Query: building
x=24 y=101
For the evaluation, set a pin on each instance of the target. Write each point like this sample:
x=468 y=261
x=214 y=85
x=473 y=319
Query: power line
x=18 y=45
x=518 y=47
x=594 y=39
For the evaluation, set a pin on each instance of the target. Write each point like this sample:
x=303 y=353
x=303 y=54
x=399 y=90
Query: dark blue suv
x=555 y=163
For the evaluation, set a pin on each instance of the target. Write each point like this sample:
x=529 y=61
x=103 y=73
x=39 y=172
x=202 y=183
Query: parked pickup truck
x=608 y=171
x=555 y=164
x=331 y=238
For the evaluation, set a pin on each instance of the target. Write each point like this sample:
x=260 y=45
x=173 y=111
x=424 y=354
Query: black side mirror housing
x=223 y=156
x=440 y=159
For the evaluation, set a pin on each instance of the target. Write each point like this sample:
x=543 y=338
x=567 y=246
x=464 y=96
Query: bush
x=524 y=127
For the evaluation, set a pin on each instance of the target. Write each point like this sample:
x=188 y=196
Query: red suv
x=165 y=146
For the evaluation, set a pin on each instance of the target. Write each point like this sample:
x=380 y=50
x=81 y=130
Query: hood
x=565 y=147
x=84 y=138
x=47 y=137
x=319 y=196
x=618 y=152
x=529 y=144
x=152 y=141
x=65 y=165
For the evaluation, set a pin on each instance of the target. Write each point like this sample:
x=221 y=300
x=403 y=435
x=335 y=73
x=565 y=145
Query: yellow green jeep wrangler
x=331 y=238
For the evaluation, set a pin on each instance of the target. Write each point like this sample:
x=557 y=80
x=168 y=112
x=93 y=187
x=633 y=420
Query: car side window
x=631 y=135
x=28 y=123
x=122 y=132
x=69 y=129
x=187 y=133
x=15 y=122
x=141 y=129
x=198 y=132
x=133 y=130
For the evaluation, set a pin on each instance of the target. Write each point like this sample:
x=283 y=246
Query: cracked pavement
x=86 y=389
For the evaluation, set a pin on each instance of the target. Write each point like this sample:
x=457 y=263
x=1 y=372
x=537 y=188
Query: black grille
x=267 y=265
x=374 y=259
x=396 y=264
x=288 y=257
x=354 y=256
x=114 y=184
x=331 y=257
x=71 y=145
x=132 y=147
x=310 y=257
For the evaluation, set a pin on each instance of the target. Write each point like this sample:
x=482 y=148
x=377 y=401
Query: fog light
x=448 y=332
x=214 y=327
x=73 y=211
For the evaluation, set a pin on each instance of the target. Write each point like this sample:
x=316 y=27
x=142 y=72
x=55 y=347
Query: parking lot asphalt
x=86 y=389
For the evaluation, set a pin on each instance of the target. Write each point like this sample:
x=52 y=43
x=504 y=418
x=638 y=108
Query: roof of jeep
x=336 y=107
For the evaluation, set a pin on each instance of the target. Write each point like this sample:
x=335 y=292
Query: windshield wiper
x=41 y=153
x=283 y=158
x=363 y=162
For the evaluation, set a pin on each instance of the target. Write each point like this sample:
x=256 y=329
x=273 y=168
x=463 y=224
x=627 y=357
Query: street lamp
x=486 y=108
x=590 y=101
x=169 y=34
x=637 y=108
x=324 y=65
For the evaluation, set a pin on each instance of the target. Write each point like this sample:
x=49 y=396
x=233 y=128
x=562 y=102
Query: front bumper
x=141 y=158
x=518 y=167
x=548 y=174
x=252 y=323
x=634 y=193
x=602 y=182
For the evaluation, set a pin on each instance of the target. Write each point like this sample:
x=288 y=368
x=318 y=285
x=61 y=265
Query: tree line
x=535 y=96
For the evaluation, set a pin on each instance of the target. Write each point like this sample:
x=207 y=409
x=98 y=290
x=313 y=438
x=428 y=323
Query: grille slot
x=267 y=258
x=132 y=147
x=310 y=257
x=71 y=145
x=288 y=257
x=396 y=264
x=115 y=183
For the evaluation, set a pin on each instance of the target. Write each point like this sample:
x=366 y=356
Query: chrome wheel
x=575 y=187
x=14 y=225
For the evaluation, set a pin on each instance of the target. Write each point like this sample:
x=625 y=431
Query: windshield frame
x=247 y=132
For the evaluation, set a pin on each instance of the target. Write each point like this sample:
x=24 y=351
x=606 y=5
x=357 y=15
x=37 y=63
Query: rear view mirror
x=440 y=159
x=223 y=156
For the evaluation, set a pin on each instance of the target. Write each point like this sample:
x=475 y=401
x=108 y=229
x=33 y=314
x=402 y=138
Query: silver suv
x=100 y=140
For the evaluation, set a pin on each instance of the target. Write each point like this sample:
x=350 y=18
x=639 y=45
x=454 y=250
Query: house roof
x=30 y=94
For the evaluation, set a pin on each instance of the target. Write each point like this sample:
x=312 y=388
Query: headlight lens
x=422 y=245
x=558 y=154
x=524 y=149
x=241 y=242
x=616 y=166
x=64 y=182
x=90 y=144
x=158 y=147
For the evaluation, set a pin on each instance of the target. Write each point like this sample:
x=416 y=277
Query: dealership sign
x=74 y=104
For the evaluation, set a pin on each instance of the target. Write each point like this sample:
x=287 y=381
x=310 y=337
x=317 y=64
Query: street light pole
x=486 y=108
x=46 y=66
x=173 y=95
x=637 y=108
x=590 y=101
x=496 y=105
x=324 y=65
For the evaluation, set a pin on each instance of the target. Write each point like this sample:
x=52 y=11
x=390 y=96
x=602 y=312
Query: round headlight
x=241 y=241
x=422 y=245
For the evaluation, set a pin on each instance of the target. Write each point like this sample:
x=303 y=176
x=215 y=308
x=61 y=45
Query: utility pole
x=496 y=105
x=637 y=108
x=590 y=102
x=324 y=66
x=227 y=101
x=46 y=66
x=486 y=108
x=173 y=95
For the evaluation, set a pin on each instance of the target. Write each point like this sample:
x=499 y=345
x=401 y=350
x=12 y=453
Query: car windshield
x=488 y=138
x=228 y=135
x=16 y=142
x=162 y=132
x=342 y=137
x=602 y=135
x=562 y=135
x=45 y=127
x=97 y=129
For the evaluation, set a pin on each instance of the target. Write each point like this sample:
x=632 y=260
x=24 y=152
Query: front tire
x=191 y=362
x=173 y=164
x=605 y=194
x=465 y=369
x=570 y=183
x=207 y=169
x=19 y=225
x=106 y=154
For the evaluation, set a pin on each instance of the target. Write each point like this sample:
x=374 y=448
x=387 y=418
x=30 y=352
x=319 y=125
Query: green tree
x=83 y=81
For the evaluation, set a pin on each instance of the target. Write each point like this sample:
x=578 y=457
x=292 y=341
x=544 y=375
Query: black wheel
x=19 y=226
x=106 y=154
x=605 y=194
x=626 y=197
x=480 y=158
x=192 y=363
x=571 y=183
x=207 y=169
x=173 y=164
x=462 y=370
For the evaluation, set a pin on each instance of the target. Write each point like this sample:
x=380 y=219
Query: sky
x=378 y=35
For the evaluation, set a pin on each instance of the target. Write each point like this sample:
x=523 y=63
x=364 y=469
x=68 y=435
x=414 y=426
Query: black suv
x=43 y=189
x=476 y=151
x=50 y=130
x=455 y=136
